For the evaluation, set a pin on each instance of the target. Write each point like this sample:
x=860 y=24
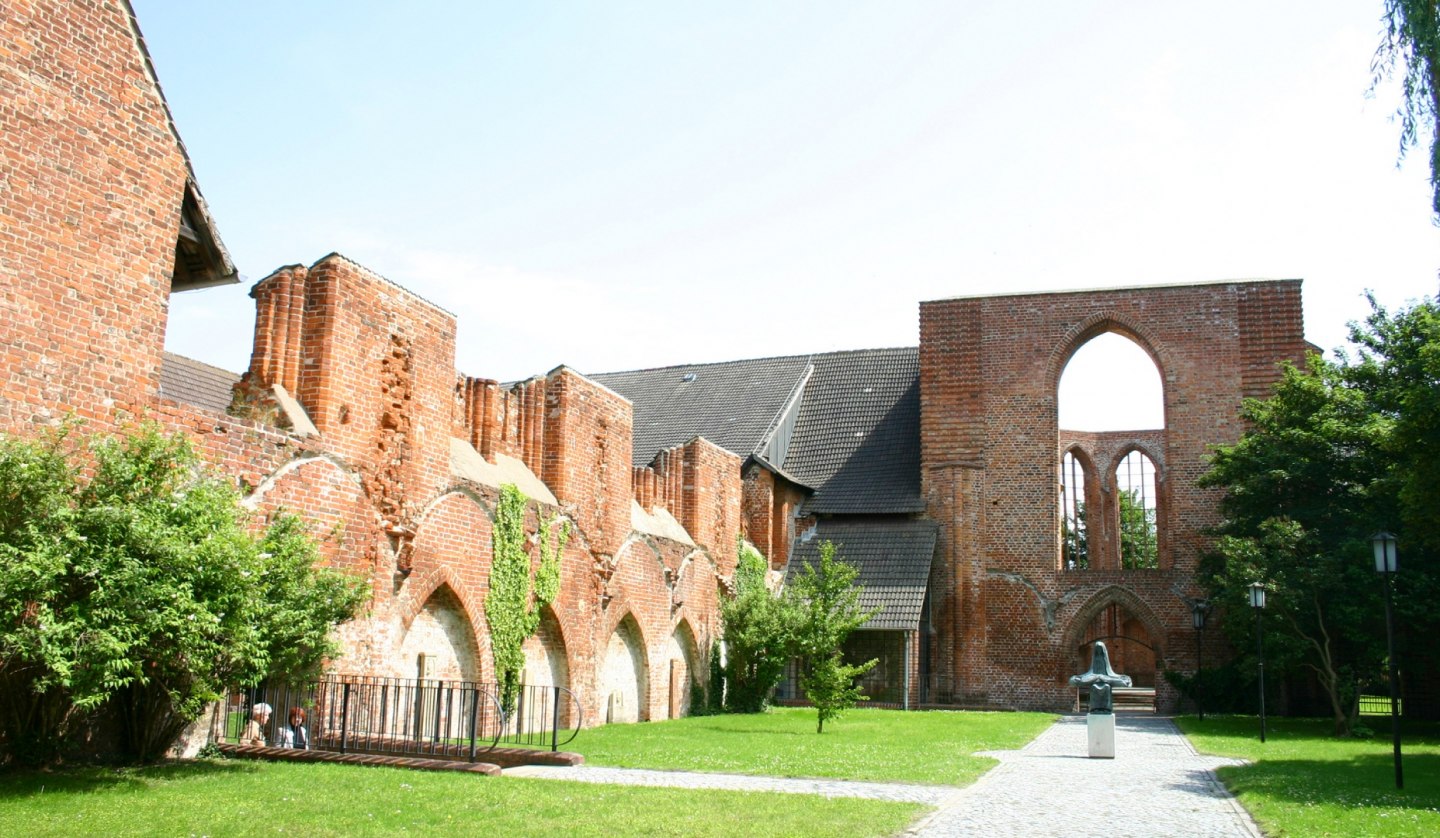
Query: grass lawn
x=1306 y=782
x=863 y=744
x=240 y=797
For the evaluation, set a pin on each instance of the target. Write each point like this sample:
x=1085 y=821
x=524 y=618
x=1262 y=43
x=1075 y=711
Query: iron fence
x=458 y=720
x=1374 y=705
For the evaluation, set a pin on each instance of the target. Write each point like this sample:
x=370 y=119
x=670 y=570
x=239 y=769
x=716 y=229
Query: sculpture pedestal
x=1101 y=727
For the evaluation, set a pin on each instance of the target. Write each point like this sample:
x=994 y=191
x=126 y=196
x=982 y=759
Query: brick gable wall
x=1009 y=622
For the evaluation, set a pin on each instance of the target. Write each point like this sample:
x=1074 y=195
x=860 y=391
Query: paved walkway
x=1156 y=786
x=929 y=795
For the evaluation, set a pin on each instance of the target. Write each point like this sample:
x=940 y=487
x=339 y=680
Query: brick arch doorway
x=1132 y=635
x=1132 y=652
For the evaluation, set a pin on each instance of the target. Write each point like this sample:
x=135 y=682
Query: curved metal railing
x=541 y=716
x=410 y=717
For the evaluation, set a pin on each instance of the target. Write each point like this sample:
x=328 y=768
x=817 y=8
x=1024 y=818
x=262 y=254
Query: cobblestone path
x=1157 y=785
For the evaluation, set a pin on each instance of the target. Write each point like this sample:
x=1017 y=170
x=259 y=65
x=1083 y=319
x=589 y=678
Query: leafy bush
x=759 y=632
x=129 y=580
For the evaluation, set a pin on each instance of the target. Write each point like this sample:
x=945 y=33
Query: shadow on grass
x=1362 y=781
x=27 y=783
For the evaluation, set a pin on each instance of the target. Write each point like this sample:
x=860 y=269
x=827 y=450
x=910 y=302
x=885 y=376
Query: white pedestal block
x=1101 y=727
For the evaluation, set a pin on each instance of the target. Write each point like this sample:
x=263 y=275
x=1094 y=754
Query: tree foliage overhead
x=1412 y=42
x=1341 y=450
x=130 y=581
x=829 y=601
x=511 y=609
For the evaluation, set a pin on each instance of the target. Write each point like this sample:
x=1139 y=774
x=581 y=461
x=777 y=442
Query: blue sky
x=618 y=185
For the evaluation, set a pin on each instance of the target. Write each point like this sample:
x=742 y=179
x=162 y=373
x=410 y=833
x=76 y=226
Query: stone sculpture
x=1100 y=722
x=1101 y=679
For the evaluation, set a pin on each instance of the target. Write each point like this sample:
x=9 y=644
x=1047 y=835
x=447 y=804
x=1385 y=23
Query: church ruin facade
x=940 y=468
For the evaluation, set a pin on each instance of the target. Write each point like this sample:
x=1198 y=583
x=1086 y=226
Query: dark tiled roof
x=857 y=439
x=189 y=381
x=733 y=404
x=893 y=557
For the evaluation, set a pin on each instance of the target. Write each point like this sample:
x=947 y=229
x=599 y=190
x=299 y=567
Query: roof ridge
x=809 y=356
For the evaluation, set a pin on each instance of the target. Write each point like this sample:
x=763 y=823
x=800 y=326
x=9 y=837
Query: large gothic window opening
x=1135 y=502
x=1111 y=384
x=1074 y=541
x=1111 y=408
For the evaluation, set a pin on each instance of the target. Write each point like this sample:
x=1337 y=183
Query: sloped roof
x=893 y=557
x=857 y=439
x=733 y=404
x=854 y=438
x=188 y=380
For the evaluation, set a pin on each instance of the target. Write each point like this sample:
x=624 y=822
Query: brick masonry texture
x=1010 y=623
x=95 y=182
x=95 y=185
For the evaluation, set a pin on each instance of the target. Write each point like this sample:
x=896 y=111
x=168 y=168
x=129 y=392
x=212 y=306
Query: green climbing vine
x=511 y=609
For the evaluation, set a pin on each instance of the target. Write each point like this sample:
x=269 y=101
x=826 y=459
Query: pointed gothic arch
x=440 y=641
x=625 y=674
x=1132 y=632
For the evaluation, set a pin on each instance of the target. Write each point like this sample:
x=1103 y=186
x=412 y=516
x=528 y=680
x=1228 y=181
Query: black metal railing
x=460 y=720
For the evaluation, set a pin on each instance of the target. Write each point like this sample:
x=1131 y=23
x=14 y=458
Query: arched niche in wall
x=440 y=642
x=1111 y=408
x=625 y=676
x=684 y=675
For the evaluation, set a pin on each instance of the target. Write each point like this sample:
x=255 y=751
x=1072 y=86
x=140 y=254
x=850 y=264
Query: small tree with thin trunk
x=829 y=601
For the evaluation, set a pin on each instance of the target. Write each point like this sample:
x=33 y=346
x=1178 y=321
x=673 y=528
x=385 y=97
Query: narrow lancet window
x=1135 y=502
x=1075 y=549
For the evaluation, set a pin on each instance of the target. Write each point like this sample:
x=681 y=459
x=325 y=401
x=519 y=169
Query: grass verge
x=864 y=744
x=1304 y=781
x=240 y=797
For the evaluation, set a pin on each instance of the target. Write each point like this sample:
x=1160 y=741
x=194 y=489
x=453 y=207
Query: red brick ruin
x=353 y=414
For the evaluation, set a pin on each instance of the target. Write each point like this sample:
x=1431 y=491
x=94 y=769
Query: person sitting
x=254 y=733
x=293 y=735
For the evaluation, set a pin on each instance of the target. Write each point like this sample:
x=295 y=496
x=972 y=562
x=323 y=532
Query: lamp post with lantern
x=1198 y=610
x=1257 y=602
x=1386 y=565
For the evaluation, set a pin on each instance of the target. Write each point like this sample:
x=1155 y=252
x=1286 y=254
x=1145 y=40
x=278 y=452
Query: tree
x=1398 y=368
x=1303 y=491
x=1138 y=545
x=130 y=579
x=759 y=629
x=512 y=610
x=1412 y=39
x=1075 y=539
x=829 y=601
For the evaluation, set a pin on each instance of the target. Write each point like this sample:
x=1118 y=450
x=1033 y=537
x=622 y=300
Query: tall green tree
x=1341 y=450
x=759 y=629
x=129 y=578
x=512 y=606
x=1412 y=44
x=829 y=601
x=1299 y=507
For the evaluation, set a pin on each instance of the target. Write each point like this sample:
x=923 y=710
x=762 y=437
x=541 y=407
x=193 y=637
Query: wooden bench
x=1124 y=699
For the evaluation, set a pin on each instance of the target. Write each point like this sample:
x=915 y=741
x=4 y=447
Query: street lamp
x=1198 y=610
x=1257 y=601
x=1386 y=566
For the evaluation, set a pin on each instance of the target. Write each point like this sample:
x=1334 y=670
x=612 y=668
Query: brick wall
x=89 y=213
x=1009 y=622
